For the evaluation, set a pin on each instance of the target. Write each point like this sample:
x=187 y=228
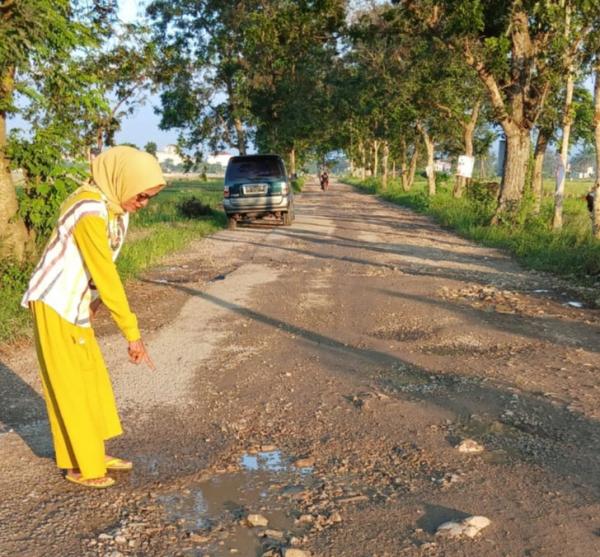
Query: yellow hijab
x=122 y=172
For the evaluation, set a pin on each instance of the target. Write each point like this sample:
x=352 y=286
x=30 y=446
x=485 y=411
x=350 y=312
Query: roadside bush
x=298 y=184
x=13 y=283
x=482 y=197
x=192 y=208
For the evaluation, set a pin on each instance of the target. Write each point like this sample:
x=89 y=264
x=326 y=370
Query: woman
x=75 y=273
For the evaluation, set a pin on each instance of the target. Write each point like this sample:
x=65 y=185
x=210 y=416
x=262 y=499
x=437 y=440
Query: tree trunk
x=596 y=215
x=559 y=194
x=394 y=173
x=292 y=169
x=241 y=136
x=363 y=160
x=412 y=169
x=468 y=133
x=403 y=165
x=518 y=143
x=384 y=164
x=13 y=234
x=430 y=148
x=537 y=185
x=375 y=159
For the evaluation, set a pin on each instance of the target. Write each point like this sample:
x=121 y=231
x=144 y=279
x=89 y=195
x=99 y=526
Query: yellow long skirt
x=79 y=396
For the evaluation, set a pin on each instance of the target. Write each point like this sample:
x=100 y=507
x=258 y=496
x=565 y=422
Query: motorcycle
x=324 y=182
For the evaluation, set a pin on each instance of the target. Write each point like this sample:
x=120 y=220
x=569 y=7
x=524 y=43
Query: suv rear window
x=249 y=168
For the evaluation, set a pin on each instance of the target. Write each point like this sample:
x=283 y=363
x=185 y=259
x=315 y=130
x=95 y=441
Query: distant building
x=442 y=166
x=587 y=173
x=221 y=157
x=169 y=156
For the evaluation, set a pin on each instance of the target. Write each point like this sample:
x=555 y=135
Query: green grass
x=162 y=229
x=573 y=252
x=298 y=184
x=184 y=211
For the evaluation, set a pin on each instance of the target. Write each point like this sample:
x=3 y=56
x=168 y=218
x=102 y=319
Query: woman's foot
x=98 y=483
x=115 y=463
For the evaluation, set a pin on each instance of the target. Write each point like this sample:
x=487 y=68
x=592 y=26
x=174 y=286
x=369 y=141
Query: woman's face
x=139 y=201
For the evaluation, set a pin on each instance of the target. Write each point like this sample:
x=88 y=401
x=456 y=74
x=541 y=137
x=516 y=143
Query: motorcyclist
x=324 y=178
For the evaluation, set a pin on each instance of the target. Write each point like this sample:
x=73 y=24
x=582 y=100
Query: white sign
x=465 y=166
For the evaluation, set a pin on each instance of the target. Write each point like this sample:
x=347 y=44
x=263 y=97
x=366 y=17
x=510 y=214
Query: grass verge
x=184 y=211
x=572 y=252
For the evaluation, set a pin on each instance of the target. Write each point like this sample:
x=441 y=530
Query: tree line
x=390 y=85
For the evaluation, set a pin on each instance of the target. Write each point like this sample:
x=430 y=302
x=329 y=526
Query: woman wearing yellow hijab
x=75 y=273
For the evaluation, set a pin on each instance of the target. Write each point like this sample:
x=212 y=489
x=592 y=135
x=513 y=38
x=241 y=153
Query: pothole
x=403 y=333
x=214 y=512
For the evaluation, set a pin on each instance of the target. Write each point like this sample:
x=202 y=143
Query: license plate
x=255 y=188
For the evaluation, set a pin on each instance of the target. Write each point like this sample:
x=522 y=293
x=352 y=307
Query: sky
x=142 y=126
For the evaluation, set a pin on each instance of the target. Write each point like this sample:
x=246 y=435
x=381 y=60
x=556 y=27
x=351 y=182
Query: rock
x=353 y=499
x=470 y=446
x=452 y=529
x=306 y=519
x=121 y=540
x=197 y=538
x=292 y=552
x=294 y=540
x=115 y=554
x=105 y=537
x=255 y=520
x=336 y=518
x=469 y=527
x=304 y=463
x=478 y=521
x=273 y=534
x=268 y=448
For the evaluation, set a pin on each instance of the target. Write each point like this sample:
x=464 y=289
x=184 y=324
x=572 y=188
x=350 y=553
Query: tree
x=151 y=148
x=289 y=49
x=36 y=37
x=596 y=213
x=575 y=31
x=516 y=48
x=203 y=70
x=124 y=72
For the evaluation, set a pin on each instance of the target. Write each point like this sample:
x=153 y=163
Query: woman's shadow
x=23 y=411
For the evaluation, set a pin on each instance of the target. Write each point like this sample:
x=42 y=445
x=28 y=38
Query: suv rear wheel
x=288 y=216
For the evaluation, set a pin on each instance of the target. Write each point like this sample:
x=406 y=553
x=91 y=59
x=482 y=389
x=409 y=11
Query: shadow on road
x=24 y=411
x=557 y=431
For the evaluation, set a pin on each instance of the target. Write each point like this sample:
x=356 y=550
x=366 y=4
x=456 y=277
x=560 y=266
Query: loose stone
x=274 y=534
x=255 y=520
x=470 y=527
x=470 y=446
x=292 y=552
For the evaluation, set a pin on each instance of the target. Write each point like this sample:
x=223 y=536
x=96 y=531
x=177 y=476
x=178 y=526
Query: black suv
x=257 y=186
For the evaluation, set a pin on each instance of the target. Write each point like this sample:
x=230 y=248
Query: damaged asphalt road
x=315 y=385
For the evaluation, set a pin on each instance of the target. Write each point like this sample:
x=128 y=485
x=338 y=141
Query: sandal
x=98 y=483
x=115 y=463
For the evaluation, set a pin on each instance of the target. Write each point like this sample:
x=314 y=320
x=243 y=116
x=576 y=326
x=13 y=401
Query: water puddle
x=216 y=508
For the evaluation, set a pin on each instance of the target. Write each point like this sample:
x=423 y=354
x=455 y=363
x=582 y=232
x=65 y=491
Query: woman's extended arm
x=90 y=236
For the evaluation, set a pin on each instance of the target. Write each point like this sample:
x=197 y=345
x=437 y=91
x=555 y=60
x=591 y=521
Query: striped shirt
x=62 y=279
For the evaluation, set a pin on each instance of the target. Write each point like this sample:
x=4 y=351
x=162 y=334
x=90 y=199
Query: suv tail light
x=285 y=188
x=226 y=191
